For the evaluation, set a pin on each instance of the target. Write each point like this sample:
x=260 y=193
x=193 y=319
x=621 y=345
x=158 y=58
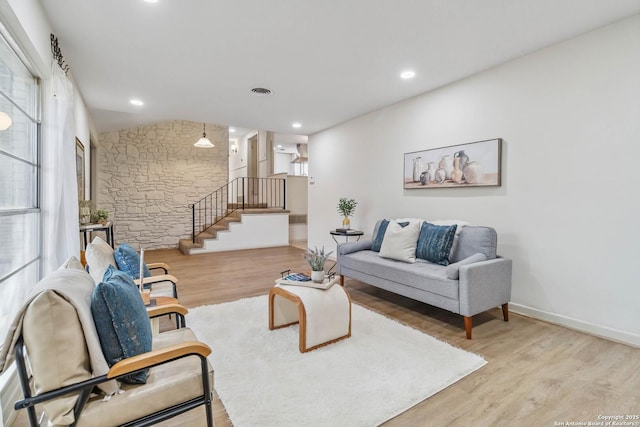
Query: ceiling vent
x=261 y=91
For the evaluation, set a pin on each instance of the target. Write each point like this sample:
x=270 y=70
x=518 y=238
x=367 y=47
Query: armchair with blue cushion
x=99 y=255
x=92 y=360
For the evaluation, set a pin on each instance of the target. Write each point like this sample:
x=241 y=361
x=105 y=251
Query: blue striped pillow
x=434 y=242
x=377 y=241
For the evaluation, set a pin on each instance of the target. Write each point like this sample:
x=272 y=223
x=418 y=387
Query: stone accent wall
x=148 y=176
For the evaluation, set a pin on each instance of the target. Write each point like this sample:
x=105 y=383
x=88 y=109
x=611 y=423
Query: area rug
x=263 y=380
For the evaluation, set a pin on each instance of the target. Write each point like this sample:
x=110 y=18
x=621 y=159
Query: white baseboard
x=578 y=325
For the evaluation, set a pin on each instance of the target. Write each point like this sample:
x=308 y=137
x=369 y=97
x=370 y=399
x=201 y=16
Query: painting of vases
x=474 y=164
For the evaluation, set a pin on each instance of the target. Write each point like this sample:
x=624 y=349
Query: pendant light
x=204 y=141
x=5 y=121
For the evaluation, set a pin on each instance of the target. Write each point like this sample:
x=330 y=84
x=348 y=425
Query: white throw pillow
x=99 y=256
x=399 y=242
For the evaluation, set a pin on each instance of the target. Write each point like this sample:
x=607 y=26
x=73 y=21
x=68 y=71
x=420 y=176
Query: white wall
x=566 y=211
x=238 y=161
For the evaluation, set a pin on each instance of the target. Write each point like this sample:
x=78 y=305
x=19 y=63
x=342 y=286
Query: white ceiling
x=326 y=61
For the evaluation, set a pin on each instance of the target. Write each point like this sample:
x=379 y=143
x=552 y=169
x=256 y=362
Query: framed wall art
x=475 y=164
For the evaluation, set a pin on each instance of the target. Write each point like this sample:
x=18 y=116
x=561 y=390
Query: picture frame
x=80 y=174
x=478 y=165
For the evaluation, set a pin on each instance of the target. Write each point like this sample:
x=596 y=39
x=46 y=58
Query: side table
x=346 y=235
x=90 y=228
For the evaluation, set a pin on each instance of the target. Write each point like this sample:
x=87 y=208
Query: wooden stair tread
x=185 y=245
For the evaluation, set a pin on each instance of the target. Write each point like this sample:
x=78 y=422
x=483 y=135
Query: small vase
x=431 y=172
x=464 y=159
x=346 y=223
x=473 y=173
x=447 y=164
x=317 y=276
x=418 y=167
x=424 y=178
x=456 y=174
x=441 y=175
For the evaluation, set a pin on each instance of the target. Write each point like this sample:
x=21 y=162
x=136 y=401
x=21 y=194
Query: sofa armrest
x=347 y=248
x=484 y=285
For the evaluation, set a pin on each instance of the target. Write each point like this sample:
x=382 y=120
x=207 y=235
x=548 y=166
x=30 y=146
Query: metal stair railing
x=241 y=193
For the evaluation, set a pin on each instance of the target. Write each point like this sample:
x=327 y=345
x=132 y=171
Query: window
x=20 y=247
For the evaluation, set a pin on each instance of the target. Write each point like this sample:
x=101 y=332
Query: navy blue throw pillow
x=377 y=241
x=434 y=242
x=128 y=260
x=121 y=320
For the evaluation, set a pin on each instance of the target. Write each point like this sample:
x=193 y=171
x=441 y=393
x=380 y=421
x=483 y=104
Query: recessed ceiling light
x=136 y=102
x=232 y=130
x=279 y=145
x=408 y=74
x=297 y=125
x=151 y=1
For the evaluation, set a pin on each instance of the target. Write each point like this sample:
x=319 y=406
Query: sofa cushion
x=453 y=270
x=121 y=320
x=434 y=242
x=422 y=274
x=400 y=241
x=475 y=239
x=378 y=235
x=99 y=256
x=128 y=260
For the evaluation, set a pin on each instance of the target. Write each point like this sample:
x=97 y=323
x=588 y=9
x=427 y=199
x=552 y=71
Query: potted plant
x=100 y=216
x=346 y=208
x=316 y=259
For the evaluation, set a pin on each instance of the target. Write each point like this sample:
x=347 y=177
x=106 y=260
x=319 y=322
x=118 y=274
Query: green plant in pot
x=100 y=216
x=346 y=208
x=316 y=259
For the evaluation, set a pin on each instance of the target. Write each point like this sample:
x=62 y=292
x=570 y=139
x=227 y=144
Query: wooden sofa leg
x=467 y=326
x=342 y=280
x=505 y=311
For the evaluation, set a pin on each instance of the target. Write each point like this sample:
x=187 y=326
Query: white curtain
x=60 y=232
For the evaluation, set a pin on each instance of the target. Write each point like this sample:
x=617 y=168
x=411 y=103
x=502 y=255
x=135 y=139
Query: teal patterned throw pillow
x=377 y=241
x=121 y=321
x=434 y=242
x=128 y=260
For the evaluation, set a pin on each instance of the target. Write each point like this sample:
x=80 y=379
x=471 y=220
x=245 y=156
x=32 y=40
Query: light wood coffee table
x=324 y=315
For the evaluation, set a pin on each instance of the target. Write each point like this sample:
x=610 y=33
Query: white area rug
x=263 y=380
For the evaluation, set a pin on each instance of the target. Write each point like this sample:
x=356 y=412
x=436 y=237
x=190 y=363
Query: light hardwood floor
x=537 y=374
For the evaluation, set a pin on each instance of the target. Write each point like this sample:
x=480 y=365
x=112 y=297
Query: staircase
x=244 y=213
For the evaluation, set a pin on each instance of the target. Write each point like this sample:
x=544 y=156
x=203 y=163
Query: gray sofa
x=464 y=286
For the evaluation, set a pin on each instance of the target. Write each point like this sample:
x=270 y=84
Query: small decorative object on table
x=346 y=208
x=316 y=259
x=100 y=216
x=85 y=211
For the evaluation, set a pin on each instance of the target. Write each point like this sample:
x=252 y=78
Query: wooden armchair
x=65 y=369
x=99 y=255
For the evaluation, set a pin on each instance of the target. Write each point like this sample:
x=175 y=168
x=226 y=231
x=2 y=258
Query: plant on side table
x=346 y=208
x=316 y=259
x=100 y=216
